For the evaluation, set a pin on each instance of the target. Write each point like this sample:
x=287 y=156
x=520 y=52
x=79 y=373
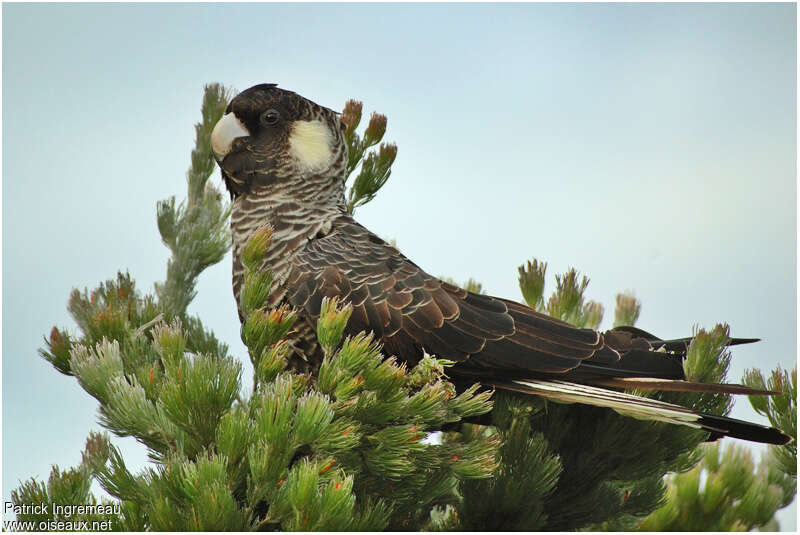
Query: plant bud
x=531 y=283
x=351 y=116
x=257 y=246
x=375 y=129
x=627 y=311
x=331 y=324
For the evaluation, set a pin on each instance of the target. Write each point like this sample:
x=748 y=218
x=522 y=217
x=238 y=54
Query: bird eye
x=270 y=117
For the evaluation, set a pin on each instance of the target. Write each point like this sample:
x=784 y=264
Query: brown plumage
x=283 y=159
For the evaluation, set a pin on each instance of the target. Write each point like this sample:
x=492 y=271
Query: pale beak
x=226 y=130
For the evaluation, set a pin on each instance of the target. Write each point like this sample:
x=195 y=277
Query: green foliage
x=375 y=165
x=567 y=302
x=64 y=503
x=331 y=324
x=514 y=499
x=197 y=235
x=196 y=231
x=733 y=495
x=727 y=491
x=627 y=310
x=531 y=283
x=780 y=410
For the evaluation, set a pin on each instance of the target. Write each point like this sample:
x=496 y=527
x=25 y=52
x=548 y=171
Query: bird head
x=270 y=138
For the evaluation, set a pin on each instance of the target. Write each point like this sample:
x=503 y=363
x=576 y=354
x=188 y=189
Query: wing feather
x=412 y=312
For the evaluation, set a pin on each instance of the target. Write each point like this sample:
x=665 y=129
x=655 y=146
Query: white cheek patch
x=225 y=131
x=310 y=145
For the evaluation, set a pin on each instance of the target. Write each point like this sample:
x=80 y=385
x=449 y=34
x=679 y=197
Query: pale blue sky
x=653 y=147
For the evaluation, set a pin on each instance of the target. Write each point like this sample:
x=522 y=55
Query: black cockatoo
x=283 y=160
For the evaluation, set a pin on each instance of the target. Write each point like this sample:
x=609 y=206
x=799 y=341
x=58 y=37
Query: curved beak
x=225 y=132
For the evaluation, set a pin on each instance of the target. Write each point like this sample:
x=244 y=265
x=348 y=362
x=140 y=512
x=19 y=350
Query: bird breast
x=293 y=224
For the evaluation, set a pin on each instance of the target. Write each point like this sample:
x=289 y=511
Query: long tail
x=676 y=344
x=645 y=408
x=677 y=385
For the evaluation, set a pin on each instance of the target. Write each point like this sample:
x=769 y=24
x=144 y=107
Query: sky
x=652 y=147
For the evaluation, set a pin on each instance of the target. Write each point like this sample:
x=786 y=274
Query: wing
x=410 y=310
x=496 y=342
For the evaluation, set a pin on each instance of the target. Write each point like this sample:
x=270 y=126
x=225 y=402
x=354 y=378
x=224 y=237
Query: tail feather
x=675 y=344
x=648 y=383
x=645 y=408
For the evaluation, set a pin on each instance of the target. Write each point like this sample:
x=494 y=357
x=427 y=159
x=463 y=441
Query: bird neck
x=301 y=202
x=296 y=214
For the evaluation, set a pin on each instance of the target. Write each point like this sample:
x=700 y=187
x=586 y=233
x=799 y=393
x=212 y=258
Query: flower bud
x=257 y=246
